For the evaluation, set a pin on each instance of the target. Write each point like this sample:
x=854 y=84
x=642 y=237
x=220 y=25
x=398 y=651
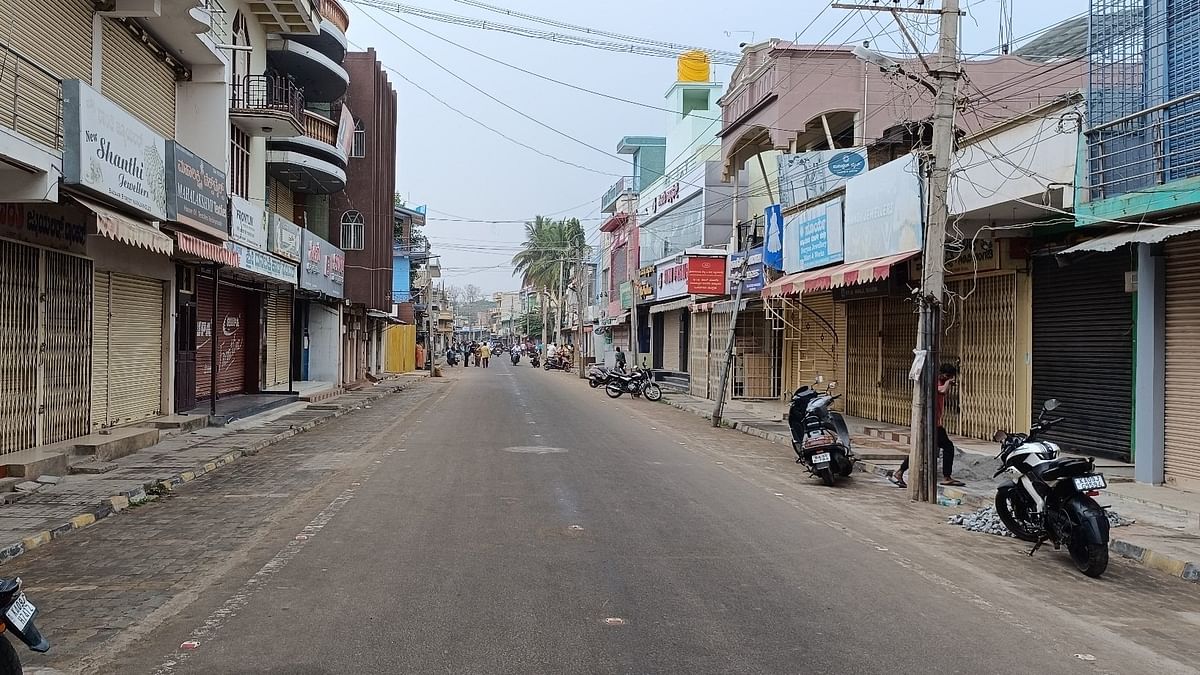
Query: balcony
x=330 y=39
x=322 y=78
x=319 y=140
x=285 y=16
x=268 y=106
x=310 y=163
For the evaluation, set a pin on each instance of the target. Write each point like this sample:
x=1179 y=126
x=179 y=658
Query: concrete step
x=322 y=395
x=34 y=462
x=116 y=443
x=91 y=466
x=180 y=422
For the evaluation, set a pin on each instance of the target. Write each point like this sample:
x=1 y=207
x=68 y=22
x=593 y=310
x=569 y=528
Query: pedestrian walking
x=620 y=360
x=475 y=354
x=485 y=352
x=947 y=379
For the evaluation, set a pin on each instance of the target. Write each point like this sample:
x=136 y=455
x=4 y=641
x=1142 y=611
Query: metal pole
x=923 y=453
x=633 y=299
x=561 y=292
x=719 y=408
x=578 y=351
x=292 y=328
x=212 y=374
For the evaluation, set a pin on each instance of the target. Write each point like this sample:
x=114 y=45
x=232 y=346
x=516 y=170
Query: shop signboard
x=883 y=211
x=816 y=233
x=247 y=223
x=807 y=175
x=626 y=295
x=264 y=264
x=677 y=186
x=283 y=238
x=111 y=153
x=646 y=285
x=197 y=196
x=672 y=276
x=59 y=227
x=706 y=275
x=773 y=250
x=323 y=268
x=752 y=275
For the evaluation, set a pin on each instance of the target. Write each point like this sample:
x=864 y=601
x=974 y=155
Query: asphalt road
x=519 y=522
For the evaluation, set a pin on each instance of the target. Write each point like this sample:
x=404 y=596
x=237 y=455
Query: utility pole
x=633 y=298
x=558 y=324
x=946 y=70
x=719 y=408
x=578 y=352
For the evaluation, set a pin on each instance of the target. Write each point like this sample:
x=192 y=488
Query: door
x=185 y=340
x=1181 y=458
x=1083 y=350
x=19 y=346
x=862 y=358
x=656 y=340
x=279 y=341
x=127 y=317
x=235 y=325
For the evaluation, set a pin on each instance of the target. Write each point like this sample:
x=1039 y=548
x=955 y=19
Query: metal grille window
x=239 y=162
x=359 y=148
x=353 y=231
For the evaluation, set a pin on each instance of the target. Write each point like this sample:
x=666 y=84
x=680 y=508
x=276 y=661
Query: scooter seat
x=1065 y=467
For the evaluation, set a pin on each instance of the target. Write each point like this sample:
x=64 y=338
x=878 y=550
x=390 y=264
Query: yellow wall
x=401 y=354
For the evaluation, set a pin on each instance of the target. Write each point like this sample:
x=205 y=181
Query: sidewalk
x=54 y=506
x=1165 y=534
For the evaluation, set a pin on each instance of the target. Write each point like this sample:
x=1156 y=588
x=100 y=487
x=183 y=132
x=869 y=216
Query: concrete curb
x=1184 y=569
x=123 y=500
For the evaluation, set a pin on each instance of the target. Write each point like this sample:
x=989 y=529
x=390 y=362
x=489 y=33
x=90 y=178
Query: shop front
x=679 y=281
x=283 y=241
x=320 y=322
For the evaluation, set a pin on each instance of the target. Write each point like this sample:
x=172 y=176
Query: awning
x=614 y=320
x=126 y=230
x=723 y=306
x=615 y=221
x=380 y=314
x=681 y=303
x=205 y=249
x=1150 y=234
x=848 y=274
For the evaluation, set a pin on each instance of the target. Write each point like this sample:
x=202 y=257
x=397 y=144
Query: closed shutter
x=980 y=336
x=66 y=361
x=862 y=358
x=1181 y=459
x=131 y=317
x=279 y=339
x=233 y=322
x=138 y=80
x=18 y=346
x=698 y=364
x=1083 y=350
x=57 y=35
x=101 y=320
x=283 y=201
x=670 y=341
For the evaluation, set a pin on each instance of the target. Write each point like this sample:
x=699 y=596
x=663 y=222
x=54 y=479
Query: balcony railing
x=320 y=128
x=30 y=99
x=332 y=10
x=268 y=93
x=1146 y=149
x=762 y=84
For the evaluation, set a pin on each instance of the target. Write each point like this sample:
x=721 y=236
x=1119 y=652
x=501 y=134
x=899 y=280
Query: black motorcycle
x=635 y=384
x=556 y=362
x=1049 y=498
x=19 y=613
x=535 y=360
x=820 y=437
x=598 y=376
x=515 y=357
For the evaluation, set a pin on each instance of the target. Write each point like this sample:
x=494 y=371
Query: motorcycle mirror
x=1050 y=404
x=1000 y=436
x=833 y=385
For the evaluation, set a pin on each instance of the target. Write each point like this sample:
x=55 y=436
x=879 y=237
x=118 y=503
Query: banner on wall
x=883 y=211
x=807 y=175
x=773 y=249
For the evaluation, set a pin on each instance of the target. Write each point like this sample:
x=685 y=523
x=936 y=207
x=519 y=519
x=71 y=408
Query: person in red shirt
x=947 y=378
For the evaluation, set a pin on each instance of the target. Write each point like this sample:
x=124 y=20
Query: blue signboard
x=819 y=230
x=773 y=249
x=754 y=274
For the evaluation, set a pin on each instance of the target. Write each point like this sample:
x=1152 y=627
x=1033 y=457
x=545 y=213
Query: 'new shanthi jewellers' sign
x=109 y=152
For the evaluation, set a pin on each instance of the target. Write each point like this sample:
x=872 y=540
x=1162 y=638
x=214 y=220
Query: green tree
x=549 y=256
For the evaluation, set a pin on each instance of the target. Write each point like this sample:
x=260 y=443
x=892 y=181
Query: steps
x=180 y=423
x=116 y=443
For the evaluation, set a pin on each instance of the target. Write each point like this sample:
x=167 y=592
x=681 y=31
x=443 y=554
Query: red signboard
x=706 y=276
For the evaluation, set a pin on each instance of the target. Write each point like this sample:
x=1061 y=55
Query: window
x=359 y=149
x=353 y=231
x=239 y=162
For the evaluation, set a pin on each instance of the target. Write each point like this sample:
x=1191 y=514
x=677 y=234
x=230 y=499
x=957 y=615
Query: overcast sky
x=462 y=170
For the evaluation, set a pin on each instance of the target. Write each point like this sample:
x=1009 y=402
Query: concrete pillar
x=1149 y=390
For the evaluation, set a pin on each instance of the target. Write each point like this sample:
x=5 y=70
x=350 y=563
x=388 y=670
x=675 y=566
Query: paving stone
x=28 y=486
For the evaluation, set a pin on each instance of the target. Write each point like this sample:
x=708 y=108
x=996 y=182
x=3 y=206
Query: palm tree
x=550 y=254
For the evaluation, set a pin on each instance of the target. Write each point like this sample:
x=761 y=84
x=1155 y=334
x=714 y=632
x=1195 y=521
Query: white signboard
x=883 y=211
x=671 y=278
x=284 y=239
x=111 y=153
x=678 y=185
x=808 y=175
x=264 y=263
x=247 y=223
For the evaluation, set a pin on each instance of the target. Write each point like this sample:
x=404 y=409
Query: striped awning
x=206 y=249
x=849 y=274
x=128 y=231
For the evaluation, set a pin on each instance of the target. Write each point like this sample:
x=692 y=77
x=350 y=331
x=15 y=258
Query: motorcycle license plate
x=1092 y=482
x=821 y=458
x=20 y=612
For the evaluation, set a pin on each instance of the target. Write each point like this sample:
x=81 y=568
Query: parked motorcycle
x=598 y=376
x=635 y=384
x=19 y=613
x=452 y=358
x=1049 y=498
x=820 y=437
x=556 y=362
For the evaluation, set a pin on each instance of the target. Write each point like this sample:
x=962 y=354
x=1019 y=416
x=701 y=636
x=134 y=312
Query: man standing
x=485 y=352
x=620 y=360
x=947 y=378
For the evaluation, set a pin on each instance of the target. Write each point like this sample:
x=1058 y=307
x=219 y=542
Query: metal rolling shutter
x=1083 y=350
x=56 y=35
x=279 y=339
x=66 y=362
x=980 y=338
x=128 y=319
x=1181 y=459
x=698 y=354
x=18 y=347
x=283 y=201
x=862 y=358
x=671 y=340
x=230 y=331
x=137 y=79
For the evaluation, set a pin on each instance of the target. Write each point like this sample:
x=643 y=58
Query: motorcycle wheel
x=10 y=663
x=614 y=390
x=593 y=384
x=653 y=392
x=1025 y=531
x=1091 y=559
x=827 y=476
